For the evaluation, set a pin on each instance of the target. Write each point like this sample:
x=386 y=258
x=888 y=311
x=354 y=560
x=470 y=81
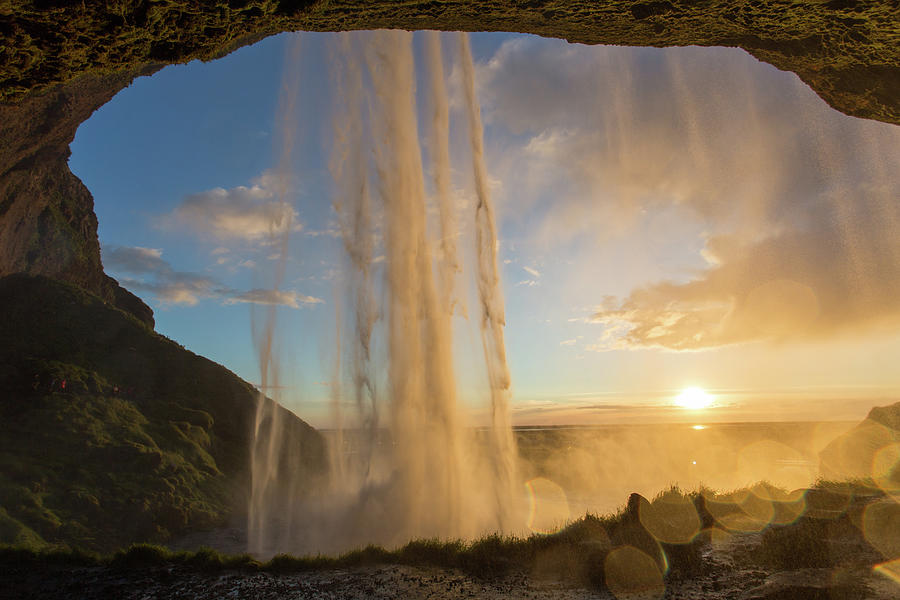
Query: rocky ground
x=726 y=578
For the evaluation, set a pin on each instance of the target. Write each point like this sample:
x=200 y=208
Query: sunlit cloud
x=790 y=212
x=797 y=285
x=254 y=213
x=532 y=272
x=144 y=270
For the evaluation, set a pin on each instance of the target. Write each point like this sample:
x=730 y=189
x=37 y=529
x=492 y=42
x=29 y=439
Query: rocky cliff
x=47 y=221
x=113 y=434
x=847 y=50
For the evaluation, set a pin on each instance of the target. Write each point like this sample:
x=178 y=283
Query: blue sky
x=668 y=218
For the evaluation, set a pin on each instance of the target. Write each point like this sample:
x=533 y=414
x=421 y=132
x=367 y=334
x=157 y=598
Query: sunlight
x=694 y=398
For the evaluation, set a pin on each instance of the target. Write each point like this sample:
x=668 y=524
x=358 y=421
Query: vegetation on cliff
x=847 y=50
x=113 y=434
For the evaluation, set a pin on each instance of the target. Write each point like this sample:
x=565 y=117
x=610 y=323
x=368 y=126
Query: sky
x=668 y=218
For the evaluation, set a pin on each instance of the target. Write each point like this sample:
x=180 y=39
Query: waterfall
x=406 y=462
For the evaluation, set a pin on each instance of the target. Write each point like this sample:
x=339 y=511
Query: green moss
x=14 y=533
x=145 y=441
x=847 y=51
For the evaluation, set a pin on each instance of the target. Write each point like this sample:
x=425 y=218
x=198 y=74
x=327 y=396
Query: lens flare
x=631 y=572
x=890 y=569
x=548 y=506
x=881 y=526
x=671 y=518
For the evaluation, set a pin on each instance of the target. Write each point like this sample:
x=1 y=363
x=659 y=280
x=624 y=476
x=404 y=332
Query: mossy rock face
x=113 y=434
x=847 y=50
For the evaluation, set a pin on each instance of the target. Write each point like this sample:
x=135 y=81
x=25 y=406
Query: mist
x=404 y=461
x=414 y=454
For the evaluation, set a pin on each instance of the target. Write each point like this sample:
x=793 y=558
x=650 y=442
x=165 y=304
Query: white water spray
x=492 y=313
x=270 y=491
x=404 y=462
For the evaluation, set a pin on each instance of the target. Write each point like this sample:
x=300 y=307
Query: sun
x=693 y=398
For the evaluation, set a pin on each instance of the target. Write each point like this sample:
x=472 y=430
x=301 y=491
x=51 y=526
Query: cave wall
x=60 y=61
x=47 y=221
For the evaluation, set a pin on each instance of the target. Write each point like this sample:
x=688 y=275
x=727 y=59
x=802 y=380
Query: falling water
x=404 y=462
x=268 y=461
x=492 y=314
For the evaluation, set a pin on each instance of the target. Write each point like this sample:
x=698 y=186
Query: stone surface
x=847 y=50
x=47 y=221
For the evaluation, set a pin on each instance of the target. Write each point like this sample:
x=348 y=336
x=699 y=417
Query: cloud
x=570 y=342
x=168 y=285
x=144 y=269
x=273 y=297
x=135 y=259
x=532 y=272
x=331 y=230
x=252 y=213
x=788 y=207
x=793 y=285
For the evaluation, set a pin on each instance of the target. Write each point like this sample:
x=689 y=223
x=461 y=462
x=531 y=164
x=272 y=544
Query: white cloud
x=532 y=272
x=331 y=230
x=273 y=297
x=254 y=213
x=144 y=270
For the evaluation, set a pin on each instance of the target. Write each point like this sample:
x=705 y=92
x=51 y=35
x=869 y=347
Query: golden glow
x=548 y=506
x=693 y=398
x=890 y=569
x=698 y=427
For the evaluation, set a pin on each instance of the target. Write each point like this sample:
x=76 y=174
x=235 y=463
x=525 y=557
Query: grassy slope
x=98 y=468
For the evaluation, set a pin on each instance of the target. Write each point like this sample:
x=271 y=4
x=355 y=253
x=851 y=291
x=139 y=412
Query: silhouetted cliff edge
x=869 y=450
x=144 y=440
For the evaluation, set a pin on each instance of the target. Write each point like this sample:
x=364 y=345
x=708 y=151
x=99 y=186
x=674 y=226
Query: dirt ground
x=725 y=579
